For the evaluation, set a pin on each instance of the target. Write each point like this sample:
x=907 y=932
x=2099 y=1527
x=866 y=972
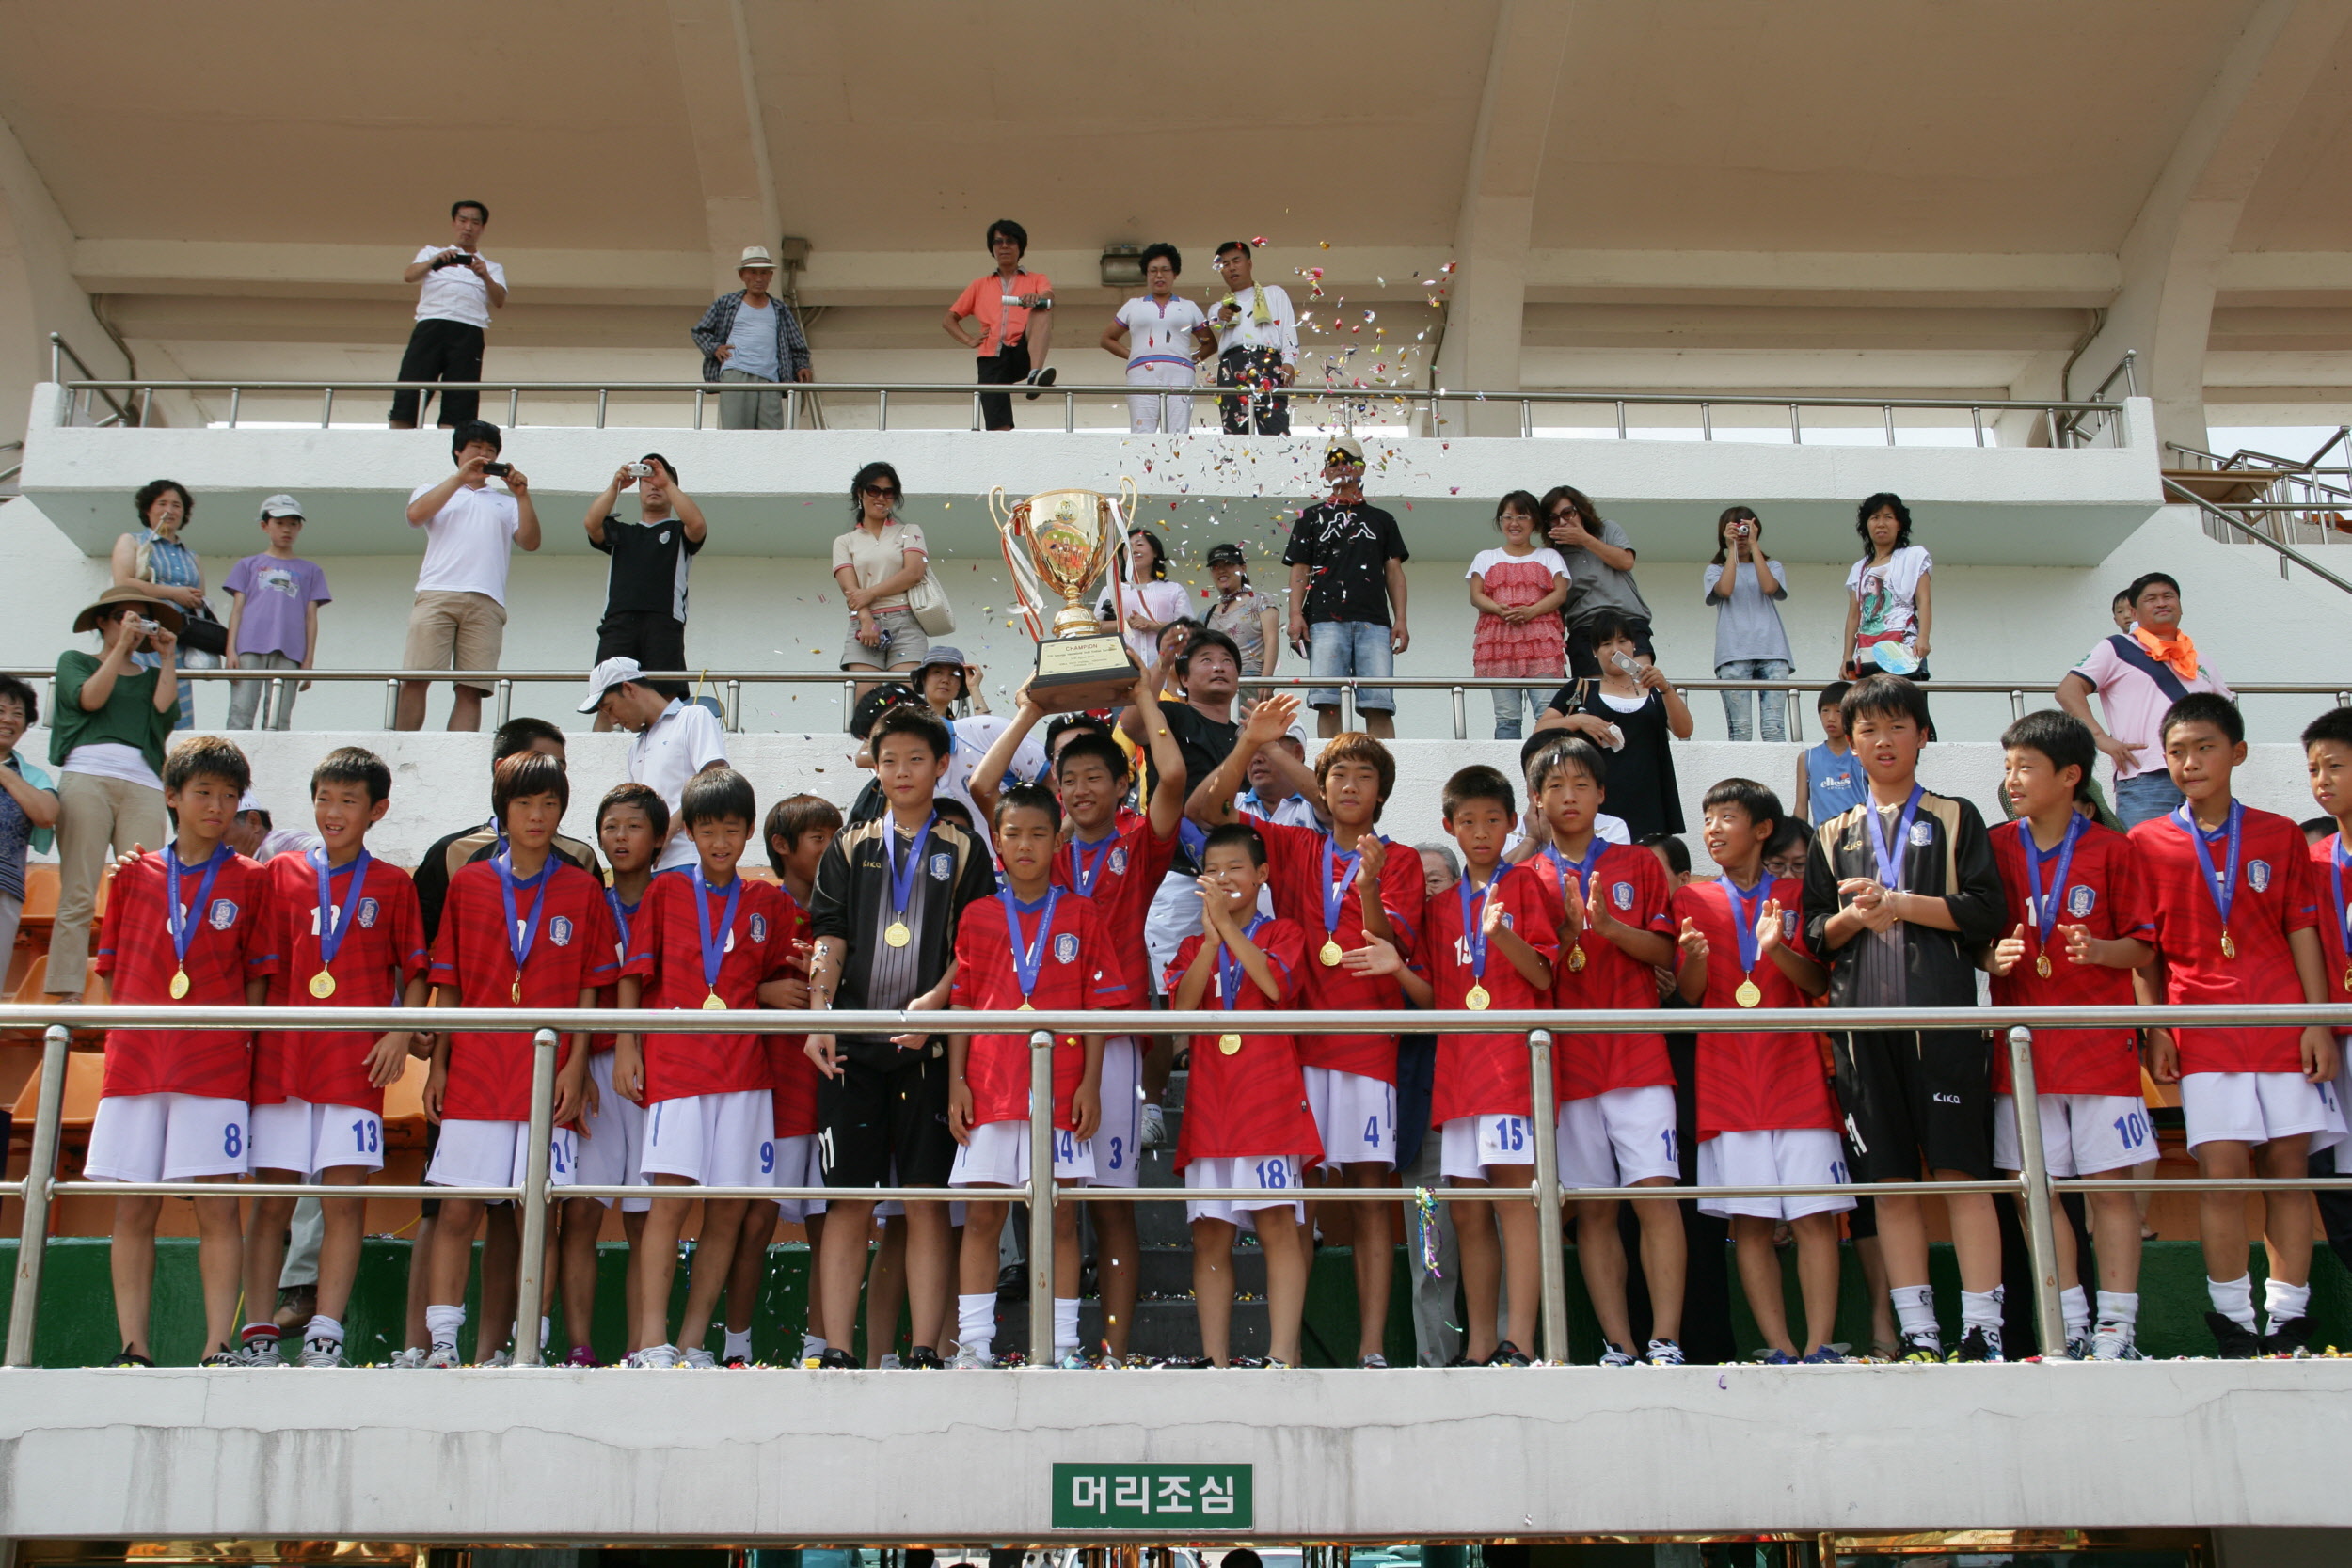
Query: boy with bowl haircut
x=186 y=924
x=1901 y=893
x=2230 y=892
x=351 y=935
x=2078 y=926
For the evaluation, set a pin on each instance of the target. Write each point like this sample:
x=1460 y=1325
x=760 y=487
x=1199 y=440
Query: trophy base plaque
x=1075 y=675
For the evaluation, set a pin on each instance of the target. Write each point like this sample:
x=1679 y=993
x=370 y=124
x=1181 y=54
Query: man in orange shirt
x=1014 y=310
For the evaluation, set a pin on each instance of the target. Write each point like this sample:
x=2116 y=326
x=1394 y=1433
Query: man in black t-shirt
x=644 y=596
x=1347 y=592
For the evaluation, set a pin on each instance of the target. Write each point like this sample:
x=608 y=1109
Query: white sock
x=2119 y=1306
x=324 y=1328
x=441 y=1324
x=812 y=1345
x=976 y=1322
x=1065 y=1324
x=1914 y=1310
x=2233 y=1298
x=739 y=1343
x=2076 y=1301
x=547 y=1327
x=2282 y=1301
x=1981 y=1308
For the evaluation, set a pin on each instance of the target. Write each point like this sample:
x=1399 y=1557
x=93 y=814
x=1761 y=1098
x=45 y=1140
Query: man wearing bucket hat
x=106 y=737
x=1347 y=592
x=750 y=336
x=676 y=740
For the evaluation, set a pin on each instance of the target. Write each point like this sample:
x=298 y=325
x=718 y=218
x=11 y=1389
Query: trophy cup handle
x=999 y=513
x=1125 y=508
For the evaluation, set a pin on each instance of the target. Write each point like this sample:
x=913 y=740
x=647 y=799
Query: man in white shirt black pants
x=676 y=740
x=1256 y=346
x=461 y=288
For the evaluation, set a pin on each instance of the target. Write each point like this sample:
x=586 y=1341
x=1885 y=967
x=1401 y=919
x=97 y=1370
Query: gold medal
x=1230 y=1044
x=1026 y=1007
x=1330 y=954
x=1749 y=994
x=1576 y=960
x=2042 y=964
x=515 y=991
x=714 y=1004
x=179 y=984
x=322 y=985
x=896 y=934
x=2348 y=977
x=1477 y=999
x=2229 y=946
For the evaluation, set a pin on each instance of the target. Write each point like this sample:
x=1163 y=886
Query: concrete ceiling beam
x=730 y=136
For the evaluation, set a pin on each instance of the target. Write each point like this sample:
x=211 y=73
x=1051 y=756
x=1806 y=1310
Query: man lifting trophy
x=1066 y=541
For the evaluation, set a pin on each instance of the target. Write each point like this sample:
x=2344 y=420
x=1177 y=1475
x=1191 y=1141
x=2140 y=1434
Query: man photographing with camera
x=458 y=621
x=461 y=287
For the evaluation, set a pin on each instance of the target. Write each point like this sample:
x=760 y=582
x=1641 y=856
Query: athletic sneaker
x=890 y=1363
x=2238 y=1341
x=922 y=1358
x=407 y=1360
x=1154 y=1126
x=835 y=1359
x=259 y=1350
x=736 y=1363
x=1663 y=1352
x=1827 y=1355
x=1776 y=1358
x=1375 y=1362
x=2288 y=1337
x=2114 y=1342
x=1919 y=1347
x=442 y=1357
x=1613 y=1357
x=1188 y=1363
x=581 y=1357
x=2078 y=1347
x=500 y=1358
x=1074 y=1360
x=1041 y=379
x=321 y=1351
x=1251 y=1363
x=696 y=1359
x=967 y=1360
x=1508 y=1355
x=129 y=1358
x=658 y=1358
x=1979 y=1344
x=225 y=1358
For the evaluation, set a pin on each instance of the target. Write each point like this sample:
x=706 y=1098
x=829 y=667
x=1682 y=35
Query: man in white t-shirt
x=676 y=740
x=461 y=287
x=458 y=621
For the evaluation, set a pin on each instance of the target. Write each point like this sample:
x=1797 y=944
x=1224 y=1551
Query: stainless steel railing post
x=32 y=1244
x=2049 y=1313
x=1041 y=1199
x=1551 y=1269
x=531 y=1274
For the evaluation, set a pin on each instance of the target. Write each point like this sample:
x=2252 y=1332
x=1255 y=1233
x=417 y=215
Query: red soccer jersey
x=665 y=951
x=2103 y=893
x=2334 y=912
x=1252 y=1104
x=623 y=926
x=2273 y=898
x=1073 y=971
x=572 y=948
x=1485 y=1076
x=1296 y=865
x=231 y=940
x=1754 y=1082
x=1632 y=882
x=383 y=949
x=795 y=1076
x=1120 y=877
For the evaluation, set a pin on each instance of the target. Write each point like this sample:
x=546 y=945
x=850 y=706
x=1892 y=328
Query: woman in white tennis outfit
x=1161 y=337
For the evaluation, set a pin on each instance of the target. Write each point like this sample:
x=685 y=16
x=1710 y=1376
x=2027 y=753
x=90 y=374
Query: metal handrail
x=2032 y=1185
x=59 y=350
x=2285 y=552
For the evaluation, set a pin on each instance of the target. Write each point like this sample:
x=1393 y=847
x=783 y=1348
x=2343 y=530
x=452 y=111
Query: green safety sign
x=1167 y=1498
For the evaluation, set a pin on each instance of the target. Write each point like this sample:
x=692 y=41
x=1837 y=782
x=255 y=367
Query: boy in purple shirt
x=274 y=616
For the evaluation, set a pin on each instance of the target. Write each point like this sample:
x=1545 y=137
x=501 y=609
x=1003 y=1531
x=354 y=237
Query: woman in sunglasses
x=875 y=562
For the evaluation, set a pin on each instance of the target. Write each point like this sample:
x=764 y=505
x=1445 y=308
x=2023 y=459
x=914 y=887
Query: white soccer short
x=495 y=1154
x=713 y=1140
x=168 y=1137
x=299 y=1137
x=1468 y=1145
x=2256 y=1107
x=608 y=1155
x=1276 y=1175
x=2082 y=1134
x=1786 y=1156
x=1355 y=1114
x=1119 y=1142
x=1618 y=1139
x=998 y=1156
x=799 y=1164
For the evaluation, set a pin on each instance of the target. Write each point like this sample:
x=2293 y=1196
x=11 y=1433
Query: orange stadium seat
x=404 y=1107
x=85 y=1074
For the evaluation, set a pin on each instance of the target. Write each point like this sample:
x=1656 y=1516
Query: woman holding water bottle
x=1634 y=715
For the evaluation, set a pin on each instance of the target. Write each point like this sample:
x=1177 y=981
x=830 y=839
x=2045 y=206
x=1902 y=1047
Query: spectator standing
x=1517 y=591
x=1015 y=309
x=946 y=682
x=28 y=804
x=459 y=618
x=676 y=741
x=1256 y=346
x=1253 y=621
x=254 y=834
x=461 y=287
x=1161 y=337
x=750 y=336
x=875 y=563
x=2138 y=674
x=644 y=588
x=1152 y=602
x=1600 y=569
x=1745 y=585
x=1887 y=590
x=106 y=739
x=1634 y=713
x=274 y=619
x=452 y=853
x=154 y=562
x=1347 y=592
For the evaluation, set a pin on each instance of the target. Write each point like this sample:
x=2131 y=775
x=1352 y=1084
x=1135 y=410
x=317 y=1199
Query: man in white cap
x=676 y=740
x=752 y=336
x=256 y=835
x=273 y=618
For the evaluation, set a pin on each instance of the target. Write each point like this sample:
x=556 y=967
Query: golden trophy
x=1062 y=544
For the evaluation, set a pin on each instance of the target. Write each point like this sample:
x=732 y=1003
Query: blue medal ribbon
x=1028 y=960
x=622 y=915
x=1583 y=869
x=1474 y=927
x=1333 y=896
x=902 y=876
x=177 y=920
x=2047 y=906
x=1743 y=912
x=2343 y=913
x=521 y=935
x=1085 y=870
x=714 y=949
x=1229 y=970
x=2221 y=884
x=331 y=931
x=1890 y=856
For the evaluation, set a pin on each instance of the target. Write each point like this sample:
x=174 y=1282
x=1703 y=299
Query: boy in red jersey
x=352 y=936
x=2230 y=892
x=1119 y=867
x=1245 y=1119
x=523 y=930
x=1765 y=1114
x=1346 y=891
x=707 y=938
x=1041 y=946
x=188 y=924
x=1613 y=903
x=2078 y=926
x=1488 y=942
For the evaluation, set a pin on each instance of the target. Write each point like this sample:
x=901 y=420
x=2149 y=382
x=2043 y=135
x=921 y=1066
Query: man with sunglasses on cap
x=1347 y=592
x=676 y=740
x=750 y=336
x=644 y=591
